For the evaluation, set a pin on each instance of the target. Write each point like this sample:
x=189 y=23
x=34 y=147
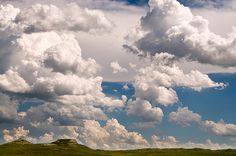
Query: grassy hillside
x=70 y=148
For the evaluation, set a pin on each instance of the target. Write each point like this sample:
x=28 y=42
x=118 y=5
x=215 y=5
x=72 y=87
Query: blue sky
x=137 y=76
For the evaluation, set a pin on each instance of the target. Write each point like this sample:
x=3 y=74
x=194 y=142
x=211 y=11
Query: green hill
x=20 y=141
x=69 y=147
x=65 y=142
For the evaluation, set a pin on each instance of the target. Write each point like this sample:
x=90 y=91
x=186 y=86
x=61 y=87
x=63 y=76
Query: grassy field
x=64 y=149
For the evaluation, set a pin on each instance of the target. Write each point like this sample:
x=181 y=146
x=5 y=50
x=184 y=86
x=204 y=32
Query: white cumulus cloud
x=39 y=60
x=7 y=136
x=47 y=137
x=183 y=117
x=115 y=66
x=8 y=109
x=155 y=82
x=220 y=128
x=42 y=17
x=111 y=136
x=144 y=110
x=171 y=27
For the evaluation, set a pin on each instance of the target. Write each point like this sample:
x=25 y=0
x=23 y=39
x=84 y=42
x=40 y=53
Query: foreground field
x=71 y=149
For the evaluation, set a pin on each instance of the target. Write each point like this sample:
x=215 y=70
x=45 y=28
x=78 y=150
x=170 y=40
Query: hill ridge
x=64 y=147
x=65 y=142
x=21 y=141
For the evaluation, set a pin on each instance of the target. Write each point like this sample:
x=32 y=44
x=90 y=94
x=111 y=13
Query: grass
x=64 y=149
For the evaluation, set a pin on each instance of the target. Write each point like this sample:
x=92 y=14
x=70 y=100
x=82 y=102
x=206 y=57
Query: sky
x=123 y=74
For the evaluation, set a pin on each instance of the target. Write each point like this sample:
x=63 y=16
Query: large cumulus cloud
x=171 y=27
x=41 y=58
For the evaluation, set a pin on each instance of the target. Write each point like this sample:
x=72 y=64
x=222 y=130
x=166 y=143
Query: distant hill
x=65 y=142
x=20 y=141
x=70 y=147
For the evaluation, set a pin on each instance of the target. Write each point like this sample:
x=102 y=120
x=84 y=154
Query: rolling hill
x=69 y=147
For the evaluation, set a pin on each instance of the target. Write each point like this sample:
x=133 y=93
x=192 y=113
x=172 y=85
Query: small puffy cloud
x=50 y=120
x=8 y=109
x=183 y=116
x=22 y=115
x=47 y=137
x=115 y=66
x=166 y=142
x=155 y=81
x=112 y=136
x=35 y=124
x=71 y=132
x=144 y=110
x=220 y=128
x=124 y=98
x=11 y=81
x=20 y=132
x=126 y=87
x=7 y=136
x=171 y=27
